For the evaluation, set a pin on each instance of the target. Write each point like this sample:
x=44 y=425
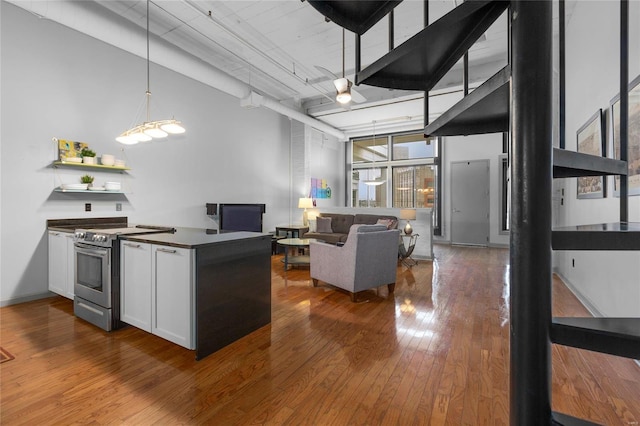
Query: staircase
x=508 y=102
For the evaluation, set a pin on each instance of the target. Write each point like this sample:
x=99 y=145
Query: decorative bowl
x=107 y=159
x=112 y=186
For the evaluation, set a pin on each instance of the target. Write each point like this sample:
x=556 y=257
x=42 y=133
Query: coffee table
x=292 y=244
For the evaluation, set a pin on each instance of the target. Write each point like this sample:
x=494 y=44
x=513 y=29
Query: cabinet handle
x=132 y=245
x=166 y=250
x=55 y=234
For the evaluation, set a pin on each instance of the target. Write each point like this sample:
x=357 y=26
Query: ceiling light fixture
x=378 y=180
x=343 y=85
x=149 y=130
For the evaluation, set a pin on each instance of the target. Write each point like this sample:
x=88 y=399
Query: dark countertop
x=70 y=225
x=192 y=237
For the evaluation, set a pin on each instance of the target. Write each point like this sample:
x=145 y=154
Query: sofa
x=334 y=228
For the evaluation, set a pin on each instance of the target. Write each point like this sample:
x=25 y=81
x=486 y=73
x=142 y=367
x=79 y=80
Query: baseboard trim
x=583 y=300
x=23 y=299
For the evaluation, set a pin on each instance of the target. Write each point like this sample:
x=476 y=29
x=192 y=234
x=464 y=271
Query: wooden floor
x=435 y=352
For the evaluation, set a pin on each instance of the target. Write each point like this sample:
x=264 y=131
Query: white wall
x=315 y=155
x=608 y=282
x=327 y=156
x=466 y=148
x=59 y=83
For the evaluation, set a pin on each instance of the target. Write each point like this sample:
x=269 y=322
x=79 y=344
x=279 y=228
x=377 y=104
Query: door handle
x=132 y=245
x=456 y=211
x=166 y=250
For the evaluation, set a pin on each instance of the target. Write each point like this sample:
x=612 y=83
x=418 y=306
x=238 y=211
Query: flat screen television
x=241 y=217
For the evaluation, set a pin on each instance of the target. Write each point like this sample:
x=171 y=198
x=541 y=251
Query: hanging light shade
x=173 y=127
x=139 y=135
x=127 y=139
x=150 y=130
x=153 y=130
x=343 y=87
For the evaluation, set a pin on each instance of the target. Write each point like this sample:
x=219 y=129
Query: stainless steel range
x=97 y=272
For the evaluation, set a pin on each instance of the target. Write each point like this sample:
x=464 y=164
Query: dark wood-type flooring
x=436 y=352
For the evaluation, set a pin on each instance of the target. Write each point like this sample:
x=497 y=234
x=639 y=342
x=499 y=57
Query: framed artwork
x=68 y=149
x=320 y=188
x=633 y=157
x=590 y=140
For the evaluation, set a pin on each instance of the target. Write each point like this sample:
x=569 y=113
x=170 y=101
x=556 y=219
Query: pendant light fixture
x=149 y=130
x=343 y=85
x=376 y=181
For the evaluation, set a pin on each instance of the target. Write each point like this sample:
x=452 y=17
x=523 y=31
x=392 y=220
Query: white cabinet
x=172 y=295
x=61 y=263
x=135 y=284
x=157 y=291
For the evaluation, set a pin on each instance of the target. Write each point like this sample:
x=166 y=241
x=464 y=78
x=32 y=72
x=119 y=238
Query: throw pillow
x=323 y=225
x=389 y=223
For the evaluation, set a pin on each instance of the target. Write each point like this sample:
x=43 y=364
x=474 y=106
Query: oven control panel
x=91 y=237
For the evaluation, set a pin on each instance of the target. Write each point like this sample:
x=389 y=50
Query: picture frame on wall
x=634 y=137
x=590 y=140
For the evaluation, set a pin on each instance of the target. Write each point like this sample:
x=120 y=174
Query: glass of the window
x=412 y=146
x=370 y=190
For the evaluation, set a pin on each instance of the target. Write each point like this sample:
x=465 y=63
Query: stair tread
x=615 y=336
x=566 y=420
x=438 y=47
x=576 y=164
x=484 y=110
x=357 y=16
x=602 y=236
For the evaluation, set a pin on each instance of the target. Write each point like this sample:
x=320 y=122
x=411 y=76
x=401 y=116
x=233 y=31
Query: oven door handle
x=91 y=250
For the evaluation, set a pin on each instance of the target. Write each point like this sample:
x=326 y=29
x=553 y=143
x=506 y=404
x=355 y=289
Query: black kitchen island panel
x=233 y=292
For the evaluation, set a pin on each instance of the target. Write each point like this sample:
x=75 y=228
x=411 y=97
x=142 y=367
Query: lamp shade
x=343 y=87
x=305 y=203
x=408 y=214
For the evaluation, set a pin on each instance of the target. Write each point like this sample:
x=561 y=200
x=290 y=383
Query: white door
x=470 y=202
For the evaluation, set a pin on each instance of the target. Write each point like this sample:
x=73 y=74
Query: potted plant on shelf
x=88 y=156
x=87 y=179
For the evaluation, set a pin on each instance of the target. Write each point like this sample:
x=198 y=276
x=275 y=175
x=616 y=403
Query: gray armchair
x=368 y=259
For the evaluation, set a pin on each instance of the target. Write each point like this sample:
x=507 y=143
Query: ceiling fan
x=344 y=91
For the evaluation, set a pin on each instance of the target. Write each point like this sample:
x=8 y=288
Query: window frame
x=389 y=164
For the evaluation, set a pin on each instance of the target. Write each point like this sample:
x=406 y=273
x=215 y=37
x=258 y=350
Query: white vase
x=89 y=160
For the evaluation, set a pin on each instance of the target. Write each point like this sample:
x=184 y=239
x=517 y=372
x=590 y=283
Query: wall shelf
x=86 y=191
x=100 y=167
x=420 y=62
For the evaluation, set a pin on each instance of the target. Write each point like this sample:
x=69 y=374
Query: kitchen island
x=218 y=292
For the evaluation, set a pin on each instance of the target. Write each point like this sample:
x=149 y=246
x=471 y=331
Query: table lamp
x=408 y=214
x=305 y=203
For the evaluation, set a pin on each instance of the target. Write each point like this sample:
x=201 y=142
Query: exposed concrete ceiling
x=277 y=49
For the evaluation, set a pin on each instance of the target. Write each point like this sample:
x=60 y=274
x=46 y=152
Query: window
x=371 y=187
x=408 y=178
x=414 y=186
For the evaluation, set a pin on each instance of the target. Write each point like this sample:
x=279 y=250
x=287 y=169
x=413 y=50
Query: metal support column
x=561 y=74
x=530 y=236
x=624 y=106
